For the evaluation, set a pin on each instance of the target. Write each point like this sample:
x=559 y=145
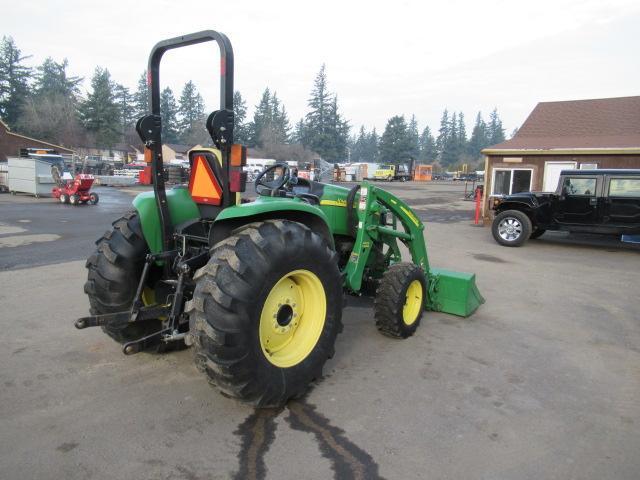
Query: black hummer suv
x=593 y=201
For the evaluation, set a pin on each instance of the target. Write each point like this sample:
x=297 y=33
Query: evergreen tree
x=123 y=99
x=14 y=76
x=298 y=132
x=50 y=112
x=428 y=150
x=443 y=132
x=169 y=112
x=514 y=132
x=326 y=132
x=261 y=118
x=279 y=122
x=395 y=143
x=462 y=133
x=100 y=113
x=359 y=146
x=51 y=80
x=496 y=130
x=241 y=128
x=140 y=98
x=414 y=138
x=372 y=153
x=191 y=112
x=479 y=138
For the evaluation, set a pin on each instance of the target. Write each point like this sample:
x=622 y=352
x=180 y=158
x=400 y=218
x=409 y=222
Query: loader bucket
x=453 y=292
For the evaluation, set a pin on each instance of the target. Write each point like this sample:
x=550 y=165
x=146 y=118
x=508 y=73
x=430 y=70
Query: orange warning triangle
x=203 y=186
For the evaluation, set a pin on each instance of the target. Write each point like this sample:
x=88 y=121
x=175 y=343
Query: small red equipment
x=75 y=191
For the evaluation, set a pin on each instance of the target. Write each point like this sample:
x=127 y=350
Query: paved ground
x=542 y=382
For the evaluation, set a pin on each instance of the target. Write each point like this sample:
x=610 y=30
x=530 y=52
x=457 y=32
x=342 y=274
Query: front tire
x=400 y=300
x=511 y=228
x=266 y=312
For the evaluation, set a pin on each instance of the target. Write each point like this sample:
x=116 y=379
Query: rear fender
x=267 y=208
x=181 y=208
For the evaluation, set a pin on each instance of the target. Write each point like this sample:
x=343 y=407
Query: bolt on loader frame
x=256 y=287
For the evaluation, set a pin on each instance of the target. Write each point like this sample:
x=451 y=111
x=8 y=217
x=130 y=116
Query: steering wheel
x=273 y=185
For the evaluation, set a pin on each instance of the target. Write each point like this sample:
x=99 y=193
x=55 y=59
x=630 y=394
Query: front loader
x=257 y=287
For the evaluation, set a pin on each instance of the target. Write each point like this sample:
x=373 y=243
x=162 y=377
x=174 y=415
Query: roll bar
x=220 y=123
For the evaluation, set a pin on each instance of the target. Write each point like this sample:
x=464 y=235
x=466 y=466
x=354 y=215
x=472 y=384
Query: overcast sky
x=383 y=58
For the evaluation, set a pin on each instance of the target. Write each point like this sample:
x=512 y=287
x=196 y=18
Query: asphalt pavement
x=542 y=382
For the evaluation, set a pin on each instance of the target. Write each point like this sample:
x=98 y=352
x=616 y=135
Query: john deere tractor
x=257 y=287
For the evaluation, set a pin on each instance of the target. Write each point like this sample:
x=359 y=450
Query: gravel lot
x=542 y=382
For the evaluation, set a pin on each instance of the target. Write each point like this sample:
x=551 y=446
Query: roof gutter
x=561 y=151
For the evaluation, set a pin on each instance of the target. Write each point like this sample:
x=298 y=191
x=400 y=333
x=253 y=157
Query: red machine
x=75 y=191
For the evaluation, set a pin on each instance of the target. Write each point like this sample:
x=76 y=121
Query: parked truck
x=390 y=172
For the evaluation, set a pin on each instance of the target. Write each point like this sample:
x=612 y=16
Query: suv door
x=577 y=202
x=621 y=209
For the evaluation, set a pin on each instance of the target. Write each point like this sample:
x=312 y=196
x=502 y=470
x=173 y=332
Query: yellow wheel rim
x=292 y=318
x=149 y=298
x=412 y=303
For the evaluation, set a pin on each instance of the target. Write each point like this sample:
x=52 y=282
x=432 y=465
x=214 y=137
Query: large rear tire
x=114 y=270
x=266 y=312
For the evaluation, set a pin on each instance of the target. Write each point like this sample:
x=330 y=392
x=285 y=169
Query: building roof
x=178 y=148
x=9 y=132
x=583 y=126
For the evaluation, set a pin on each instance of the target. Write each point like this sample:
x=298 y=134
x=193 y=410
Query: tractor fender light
x=237 y=181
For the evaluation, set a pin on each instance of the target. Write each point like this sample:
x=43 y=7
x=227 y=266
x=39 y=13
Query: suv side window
x=624 y=187
x=579 y=186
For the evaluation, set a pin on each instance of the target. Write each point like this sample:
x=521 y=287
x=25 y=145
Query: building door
x=552 y=174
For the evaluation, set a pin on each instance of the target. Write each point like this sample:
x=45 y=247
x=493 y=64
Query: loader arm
x=447 y=291
x=370 y=230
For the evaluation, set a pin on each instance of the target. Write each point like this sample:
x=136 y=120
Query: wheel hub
x=510 y=229
x=292 y=318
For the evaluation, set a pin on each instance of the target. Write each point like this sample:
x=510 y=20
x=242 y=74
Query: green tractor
x=257 y=287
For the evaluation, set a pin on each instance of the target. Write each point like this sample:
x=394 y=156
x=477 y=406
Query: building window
x=588 y=166
x=514 y=180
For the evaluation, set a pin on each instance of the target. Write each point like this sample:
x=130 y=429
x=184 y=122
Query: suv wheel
x=511 y=228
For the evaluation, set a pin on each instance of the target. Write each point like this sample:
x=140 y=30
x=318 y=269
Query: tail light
x=237 y=176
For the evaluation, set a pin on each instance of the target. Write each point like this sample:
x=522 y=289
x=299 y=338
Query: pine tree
x=169 y=113
x=326 y=132
x=140 y=98
x=191 y=112
x=261 y=118
x=298 y=132
x=279 y=122
x=428 y=150
x=51 y=80
x=100 y=113
x=462 y=133
x=395 y=143
x=124 y=101
x=14 y=76
x=372 y=154
x=479 y=139
x=358 y=146
x=414 y=138
x=443 y=133
x=241 y=128
x=496 y=130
